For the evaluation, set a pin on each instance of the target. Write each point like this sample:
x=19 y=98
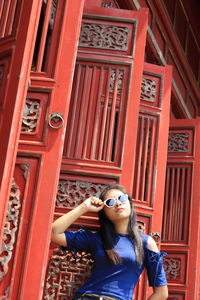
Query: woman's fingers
x=96 y=201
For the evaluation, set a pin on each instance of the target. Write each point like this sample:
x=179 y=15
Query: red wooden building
x=95 y=92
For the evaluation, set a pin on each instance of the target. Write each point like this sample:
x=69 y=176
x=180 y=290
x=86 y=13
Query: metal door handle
x=55 y=118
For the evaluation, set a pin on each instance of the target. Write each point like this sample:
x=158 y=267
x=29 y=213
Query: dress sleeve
x=80 y=240
x=155 y=269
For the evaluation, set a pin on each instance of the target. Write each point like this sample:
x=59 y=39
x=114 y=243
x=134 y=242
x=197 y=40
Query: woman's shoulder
x=145 y=238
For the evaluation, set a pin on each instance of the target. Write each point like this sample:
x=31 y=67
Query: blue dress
x=117 y=281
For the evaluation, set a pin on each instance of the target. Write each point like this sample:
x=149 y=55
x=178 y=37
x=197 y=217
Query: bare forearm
x=62 y=223
x=160 y=293
x=156 y=297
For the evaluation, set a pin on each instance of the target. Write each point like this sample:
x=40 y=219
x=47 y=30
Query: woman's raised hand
x=93 y=204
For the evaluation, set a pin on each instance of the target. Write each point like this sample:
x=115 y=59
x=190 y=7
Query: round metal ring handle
x=56 y=117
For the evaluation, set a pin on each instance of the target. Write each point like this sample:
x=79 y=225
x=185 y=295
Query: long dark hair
x=107 y=230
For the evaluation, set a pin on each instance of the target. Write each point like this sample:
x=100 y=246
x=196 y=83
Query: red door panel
x=17 y=224
x=180 y=227
x=105 y=94
x=100 y=144
x=151 y=152
x=44 y=111
x=17 y=35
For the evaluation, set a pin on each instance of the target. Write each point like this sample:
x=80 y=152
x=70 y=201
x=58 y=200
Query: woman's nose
x=118 y=203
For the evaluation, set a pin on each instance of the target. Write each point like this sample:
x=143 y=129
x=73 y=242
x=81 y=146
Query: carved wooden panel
x=16 y=226
x=175 y=265
x=98 y=103
x=108 y=36
x=151 y=90
x=34 y=123
x=71 y=193
x=180 y=142
x=66 y=273
x=8 y=17
x=177 y=202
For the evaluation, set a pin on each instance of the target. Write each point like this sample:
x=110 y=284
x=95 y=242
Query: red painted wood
x=58 y=88
x=151 y=153
x=49 y=92
x=181 y=225
x=106 y=144
x=16 y=49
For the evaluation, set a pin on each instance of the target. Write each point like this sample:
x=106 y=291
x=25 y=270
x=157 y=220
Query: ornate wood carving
x=119 y=81
x=26 y=169
x=72 y=193
x=172 y=267
x=104 y=36
x=30 y=116
x=178 y=142
x=66 y=273
x=148 y=90
x=10 y=228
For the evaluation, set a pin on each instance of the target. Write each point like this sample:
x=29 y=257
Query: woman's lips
x=120 y=209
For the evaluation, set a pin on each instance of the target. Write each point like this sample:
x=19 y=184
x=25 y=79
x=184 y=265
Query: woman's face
x=120 y=210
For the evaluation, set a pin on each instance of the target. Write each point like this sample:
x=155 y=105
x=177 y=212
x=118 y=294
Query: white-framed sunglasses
x=110 y=202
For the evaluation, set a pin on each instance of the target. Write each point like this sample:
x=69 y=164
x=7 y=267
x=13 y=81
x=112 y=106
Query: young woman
x=120 y=251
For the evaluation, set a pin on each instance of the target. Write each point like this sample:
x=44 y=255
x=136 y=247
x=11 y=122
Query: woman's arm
x=61 y=224
x=159 y=292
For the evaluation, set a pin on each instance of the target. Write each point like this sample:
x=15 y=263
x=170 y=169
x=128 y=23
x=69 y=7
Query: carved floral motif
x=10 y=228
x=178 y=142
x=30 y=115
x=148 y=90
x=66 y=273
x=104 y=36
x=119 y=82
x=172 y=267
x=72 y=193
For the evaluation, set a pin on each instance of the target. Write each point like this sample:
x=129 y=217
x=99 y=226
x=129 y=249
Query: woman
x=120 y=251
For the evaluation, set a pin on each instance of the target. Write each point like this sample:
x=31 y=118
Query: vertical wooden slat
x=43 y=36
x=141 y=134
x=176 y=204
x=171 y=197
x=151 y=162
x=112 y=118
x=182 y=186
x=1 y=7
x=90 y=104
x=97 y=114
x=4 y=17
x=11 y=15
x=166 y=205
x=145 y=154
x=105 y=109
x=83 y=111
x=73 y=112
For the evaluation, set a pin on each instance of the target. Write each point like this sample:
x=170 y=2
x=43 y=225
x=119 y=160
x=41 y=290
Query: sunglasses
x=110 y=202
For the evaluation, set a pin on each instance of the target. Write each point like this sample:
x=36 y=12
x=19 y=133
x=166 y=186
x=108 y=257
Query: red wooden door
x=102 y=126
x=110 y=129
x=151 y=154
x=17 y=33
x=30 y=208
x=181 y=224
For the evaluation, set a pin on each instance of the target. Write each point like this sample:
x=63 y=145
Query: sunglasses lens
x=110 y=202
x=123 y=198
